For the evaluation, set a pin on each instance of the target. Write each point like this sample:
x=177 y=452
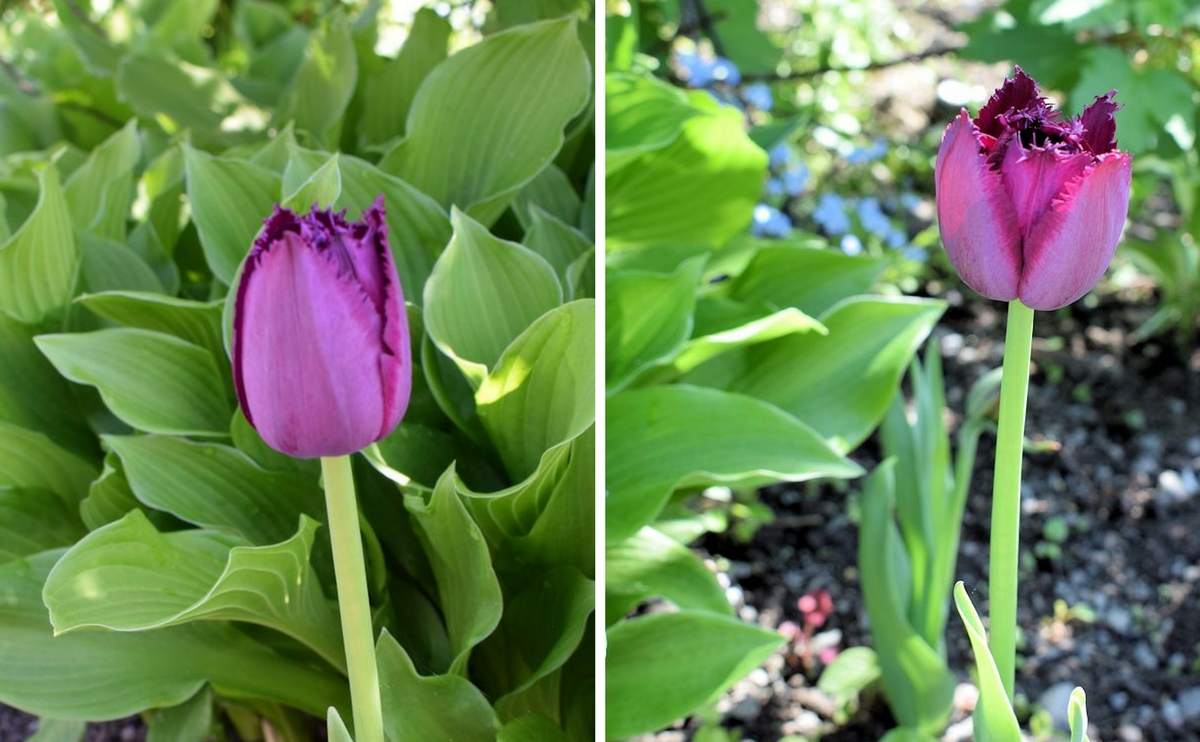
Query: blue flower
x=795 y=178
x=698 y=71
x=770 y=222
x=775 y=188
x=779 y=156
x=872 y=217
x=725 y=71
x=759 y=95
x=851 y=245
x=831 y=215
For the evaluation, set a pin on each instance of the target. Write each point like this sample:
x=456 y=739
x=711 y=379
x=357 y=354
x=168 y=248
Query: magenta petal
x=976 y=217
x=307 y=353
x=1100 y=125
x=1070 y=247
x=1034 y=176
x=1017 y=93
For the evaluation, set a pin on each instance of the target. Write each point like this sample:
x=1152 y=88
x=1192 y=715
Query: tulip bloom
x=1031 y=205
x=321 y=357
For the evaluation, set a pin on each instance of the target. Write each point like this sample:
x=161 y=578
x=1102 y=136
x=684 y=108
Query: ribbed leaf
x=38 y=262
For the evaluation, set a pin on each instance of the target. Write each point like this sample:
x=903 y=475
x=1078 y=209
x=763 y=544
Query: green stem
x=1006 y=493
x=357 y=632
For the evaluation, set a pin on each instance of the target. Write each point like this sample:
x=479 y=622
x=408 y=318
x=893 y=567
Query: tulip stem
x=358 y=634
x=1006 y=493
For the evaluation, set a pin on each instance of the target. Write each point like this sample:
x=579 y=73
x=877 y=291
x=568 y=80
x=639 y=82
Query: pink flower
x=1031 y=205
x=321 y=357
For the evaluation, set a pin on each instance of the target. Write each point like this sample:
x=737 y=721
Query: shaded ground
x=1118 y=428
x=17 y=727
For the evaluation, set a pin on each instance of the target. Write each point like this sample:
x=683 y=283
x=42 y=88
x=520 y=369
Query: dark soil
x=16 y=726
x=1117 y=428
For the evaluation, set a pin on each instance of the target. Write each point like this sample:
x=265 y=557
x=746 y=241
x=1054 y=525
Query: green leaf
x=324 y=84
x=229 y=199
x=99 y=191
x=107 y=265
x=114 y=578
x=58 y=676
x=811 y=280
x=532 y=728
x=994 y=717
x=558 y=243
x=711 y=168
x=656 y=671
x=33 y=395
x=109 y=497
x=468 y=591
x=918 y=684
x=419 y=709
x=559 y=604
x=841 y=383
x=199 y=323
x=661 y=438
x=176 y=387
x=482 y=294
x=552 y=192
x=158 y=86
x=320 y=189
x=649 y=564
x=850 y=673
x=216 y=486
x=390 y=91
x=504 y=103
x=565 y=530
x=1077 y=716
x=418 y=228
x=1155 y=102
x=647 y=319
x=59 y=730
x=511 y=13
x=336 y=728
x=38 y=261
x=190 y=721
x=642 y=113
x=34 y=520
x=33 y=461
x=541 y=392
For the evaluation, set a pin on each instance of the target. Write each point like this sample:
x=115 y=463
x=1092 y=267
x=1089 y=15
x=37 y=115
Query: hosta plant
x=156 y=555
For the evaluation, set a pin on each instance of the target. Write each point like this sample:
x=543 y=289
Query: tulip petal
x=1033 y=176
x=1017 y=93
x=1072 y=244
x=1100 y=124
x=976 y=217
x=306 y=343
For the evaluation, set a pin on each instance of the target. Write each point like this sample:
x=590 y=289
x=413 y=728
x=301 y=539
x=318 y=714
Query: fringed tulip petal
x=977 y=219
x=1073 y=243
x=321 y=357
x=1034 y=176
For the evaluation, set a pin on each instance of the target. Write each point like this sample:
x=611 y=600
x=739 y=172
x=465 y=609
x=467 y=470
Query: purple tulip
x=321 y=357
x=1031 y=205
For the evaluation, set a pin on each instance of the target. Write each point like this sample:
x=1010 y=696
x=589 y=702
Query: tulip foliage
x=155 y=553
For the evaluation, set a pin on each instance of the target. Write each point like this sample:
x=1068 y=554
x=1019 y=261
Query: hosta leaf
x=542 y=391
x=33 y=461
x=552 y=192
x=647 y=318
x=417 y=708
x=190 y=721
x=114 y=579
x=504 y=102
x=107 y=265
x=656 y=673
x=196 y=322
x=325 y=81
x=229 y=199
x=482 y=294
x=38 y=261
x=154 y=382
x=34 y=520
x=216 y=486
x=664 y=437
x=468 y=591
x=651 y=564
x=558 y=243
x=320 y=189
x=33 y=395
x=58 y=675
x=841 y=383
x=390 y=91
x=99 y=191
x=809 y=279
x=642 y=113
x=565 y=529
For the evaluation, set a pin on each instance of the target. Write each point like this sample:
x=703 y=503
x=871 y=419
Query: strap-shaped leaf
x=994 y=717
x=114 y=579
